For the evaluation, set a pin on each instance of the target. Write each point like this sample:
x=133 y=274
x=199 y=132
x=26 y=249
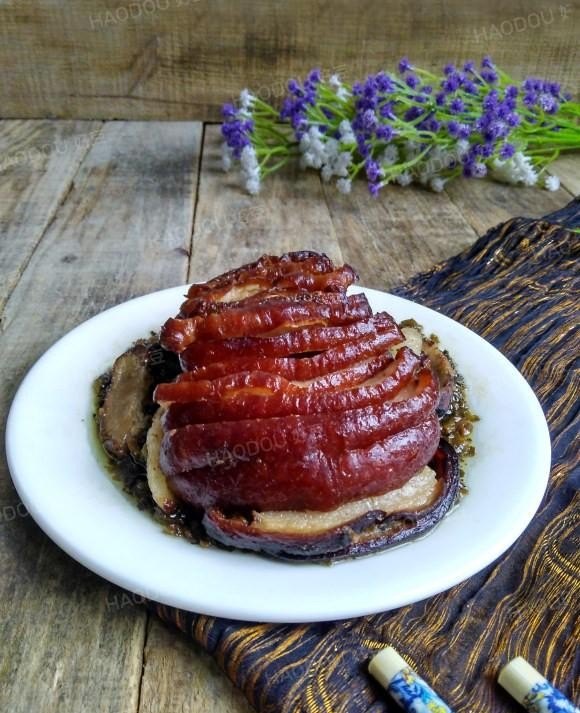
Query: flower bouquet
x=407 y=127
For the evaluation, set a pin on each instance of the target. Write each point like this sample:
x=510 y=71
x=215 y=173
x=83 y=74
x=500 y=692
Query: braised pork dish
x=277 y=413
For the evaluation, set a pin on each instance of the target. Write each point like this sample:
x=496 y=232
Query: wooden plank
x=180 y=676
x=68 y=642
x=567 y=167
x=486 y=203
x=182 y=58
x=37 y=165
x=232 y=227
x=402 y=232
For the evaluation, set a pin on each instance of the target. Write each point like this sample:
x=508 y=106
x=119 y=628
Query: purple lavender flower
x=300 y=97
x=229 y=111
x=315 y=76
x=384 y=132
x=387 y=110
x=373 y=170
x=448 y=69
x=469 y=87
x=548 y=103
x=530 y=99
x=369 y=120
x=511 y=92
x=495 y=130
x=468 y=167
x=458 y=130
x=487 y=150
x=508 y=105
x=507 y=151
x=294 y=87
x=531 y=84
x=430 y=124
x=412 y=81
x=385 y=83
x=473 y=168
x=370 y=88
x=489 y=76
x=451 y=84
x=486 y=63
x=469 y=66
x=453 y=127
x=413 y=113
x=456 y=106
x=363 y=147
x=374 y=189
x=236 y=133
x=479 y=170
x=404 y=65
x=440 y=98
x=490 y=102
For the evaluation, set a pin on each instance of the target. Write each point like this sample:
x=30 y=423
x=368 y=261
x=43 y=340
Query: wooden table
x=93 y=214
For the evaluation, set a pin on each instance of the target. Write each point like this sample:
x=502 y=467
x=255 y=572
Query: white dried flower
x=437 y=184
x=253 y=185
x=517 y=169
x=344 y=185
x=346 y=132
x=310 y=159
x=249 y=160
x=390 y=155
x=462 y=147
x=404 y=179
x=331 y=149
x=326 y=172
x=304 y=143
x=227 y=155
x=247 y=100
x=334 y=81
x=340 y=90
x=552 y=183
x=342 y=163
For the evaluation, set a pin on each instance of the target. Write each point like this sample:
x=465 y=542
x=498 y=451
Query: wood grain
x=180 y=676
x=567 y=167
x=400 y=233
x=68 y=642
x=486 y=203
x=181 y=59
x=39 y=160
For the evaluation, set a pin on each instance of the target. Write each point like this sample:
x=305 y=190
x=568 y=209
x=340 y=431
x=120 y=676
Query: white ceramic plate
x=52 y=458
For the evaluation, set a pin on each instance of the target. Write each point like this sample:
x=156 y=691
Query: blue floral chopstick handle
x=414 y=695
x=532 y=690
x=404 y=685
